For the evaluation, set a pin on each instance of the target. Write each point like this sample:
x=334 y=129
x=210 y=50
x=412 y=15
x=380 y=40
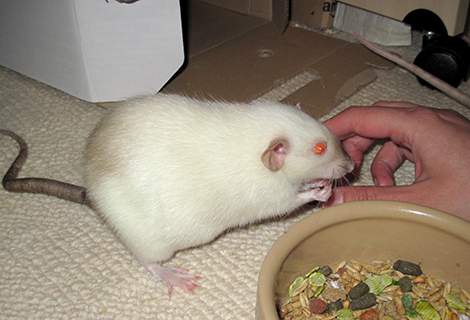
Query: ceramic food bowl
x=365 y=231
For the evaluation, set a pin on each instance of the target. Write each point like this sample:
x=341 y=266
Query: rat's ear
x=273 y=157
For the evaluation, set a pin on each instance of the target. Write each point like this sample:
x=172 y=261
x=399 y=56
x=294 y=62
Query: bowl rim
x=265 y=305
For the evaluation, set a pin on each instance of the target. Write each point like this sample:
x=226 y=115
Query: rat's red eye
x=319 y=148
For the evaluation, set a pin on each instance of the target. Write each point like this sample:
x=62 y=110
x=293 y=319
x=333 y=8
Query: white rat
x=169 y=172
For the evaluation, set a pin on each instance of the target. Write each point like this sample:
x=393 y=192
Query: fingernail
x=335 y=199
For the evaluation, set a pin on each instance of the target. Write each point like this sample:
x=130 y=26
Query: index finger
x=376 y=122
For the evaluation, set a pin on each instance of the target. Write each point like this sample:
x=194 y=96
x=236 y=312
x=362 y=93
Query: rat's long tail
x=49 y=187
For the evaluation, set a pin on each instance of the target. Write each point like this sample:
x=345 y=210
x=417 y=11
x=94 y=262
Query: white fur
x=169 y=172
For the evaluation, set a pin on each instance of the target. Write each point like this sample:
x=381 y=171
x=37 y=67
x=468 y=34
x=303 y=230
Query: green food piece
x=453 y=300
x=409 y=268
x=364 y=302
x=317 y=279
x=358 y=290
x=406 y=285
x=426 y=310
x=407 y=301
x=325 y=270
x=319 y=290
x=395 y=281
x=345 y=314
x=412 y=313
x=311 y=271
x=378 y=283
x=297 y=282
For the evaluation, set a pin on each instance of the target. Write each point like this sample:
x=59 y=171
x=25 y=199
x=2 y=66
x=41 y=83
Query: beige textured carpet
x=58 y=259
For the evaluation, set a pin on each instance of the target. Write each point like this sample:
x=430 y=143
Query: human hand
x=437 y=141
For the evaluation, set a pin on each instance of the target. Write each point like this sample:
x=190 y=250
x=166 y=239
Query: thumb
x=347 y=194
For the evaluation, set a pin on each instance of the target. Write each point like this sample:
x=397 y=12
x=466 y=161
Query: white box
x=95 y=50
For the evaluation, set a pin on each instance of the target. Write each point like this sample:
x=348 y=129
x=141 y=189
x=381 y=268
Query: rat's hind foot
x=173 y=277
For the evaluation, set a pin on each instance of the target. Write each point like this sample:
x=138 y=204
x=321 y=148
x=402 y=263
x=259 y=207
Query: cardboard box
x=237 y=57
x=94 y=50
x=318 y=14
x=273 y=10
x=453 y=13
